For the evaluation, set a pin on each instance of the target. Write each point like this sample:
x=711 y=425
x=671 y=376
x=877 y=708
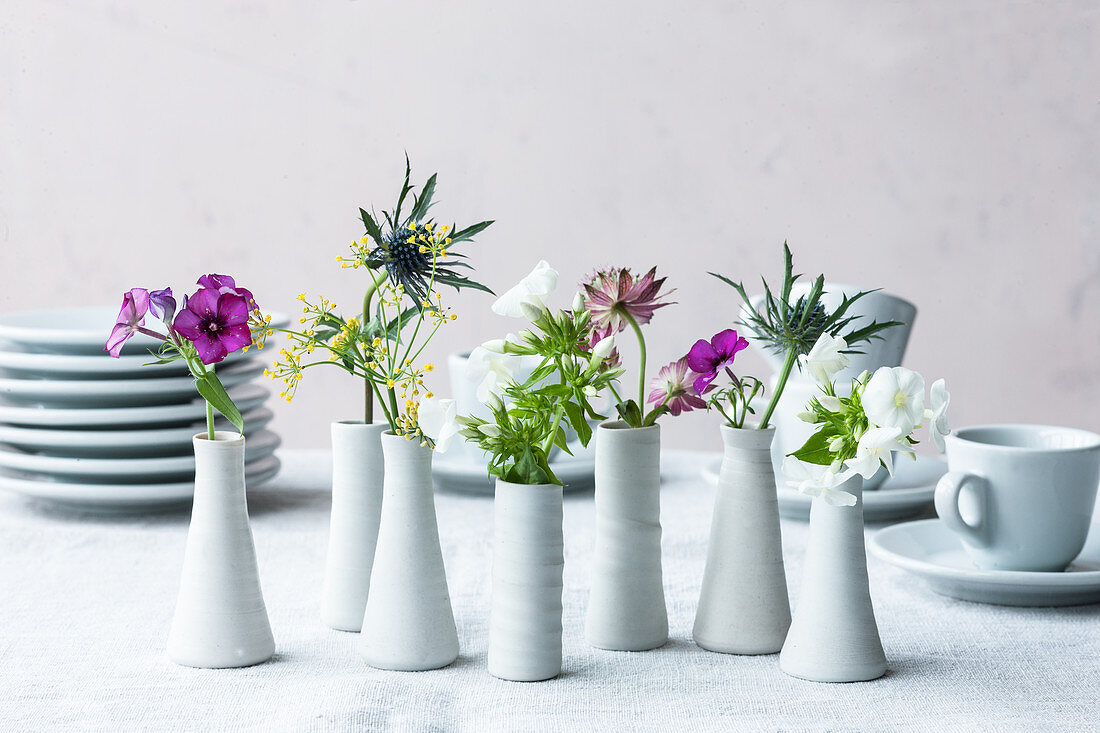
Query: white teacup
x=1020 y=497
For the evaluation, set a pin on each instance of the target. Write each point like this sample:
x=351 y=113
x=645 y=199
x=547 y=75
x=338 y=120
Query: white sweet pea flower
x=894 y=398
x=876 y=447
x=438 y=419
x=937 y=416
x=491 y=370
x=825 y=360
x=814 y=480
x=531 y=290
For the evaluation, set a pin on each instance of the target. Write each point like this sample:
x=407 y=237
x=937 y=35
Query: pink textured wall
x=945 y=152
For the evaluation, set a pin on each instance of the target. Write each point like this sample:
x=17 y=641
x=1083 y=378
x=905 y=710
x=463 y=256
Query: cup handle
x=948 y=489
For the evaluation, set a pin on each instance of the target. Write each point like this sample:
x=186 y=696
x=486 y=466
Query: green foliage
x=529 y=419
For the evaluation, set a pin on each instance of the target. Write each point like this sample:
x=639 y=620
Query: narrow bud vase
x=357 y=469
x=408 y=624
x=528 y=559
x=743 y=605
x=626 y=606
x=834 y=637
x=220 y=619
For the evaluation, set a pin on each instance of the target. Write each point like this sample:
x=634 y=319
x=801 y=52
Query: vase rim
x=223 y=437
x=621 y=425
x=360 y=423
x=748 y=428
x=533 y=487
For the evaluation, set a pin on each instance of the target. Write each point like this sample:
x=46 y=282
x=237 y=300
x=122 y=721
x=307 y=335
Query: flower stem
x=209 y=421
x=368 y=385
x=781 y=382
x=641 y=357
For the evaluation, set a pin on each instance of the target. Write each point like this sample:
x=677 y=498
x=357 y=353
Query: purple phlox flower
x=163 y=305
x=216 y=323
x=708 y=357
x=226 y=284
x=614 y=293
x=131 y=320
x=673 y=387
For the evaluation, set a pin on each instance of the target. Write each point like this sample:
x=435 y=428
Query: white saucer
x=119 y=470
x=910 y=491
x=124 y=498
x=245 y=396
x=63 y=393
x=929 y=550
x=122 y=443
x=79 y=330
x=461 y=475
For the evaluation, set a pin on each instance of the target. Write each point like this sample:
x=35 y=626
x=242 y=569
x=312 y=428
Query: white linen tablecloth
x=86 y=602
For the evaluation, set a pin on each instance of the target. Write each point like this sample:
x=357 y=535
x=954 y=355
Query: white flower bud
x=495 y=346
x=578 y=302
x=531 y=312
x=603 y=348
x=590 y=390
x=836 y=444
x=490 y=429
x=806 y=416
x=830 y=403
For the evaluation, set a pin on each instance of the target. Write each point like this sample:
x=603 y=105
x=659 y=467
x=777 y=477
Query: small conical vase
x=834 y=637
x=220 y=619
x=408 y=624
x=528 y=559
x=626 y=606
x=357 y=469
x=743 y=605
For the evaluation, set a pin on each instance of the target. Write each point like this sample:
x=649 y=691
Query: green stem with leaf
x=641 y=357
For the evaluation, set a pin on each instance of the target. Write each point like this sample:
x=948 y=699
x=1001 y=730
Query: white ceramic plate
x=909 y=492
x=930 y=551
x=461 y=475
x=122 y=443
x=125 y=470
x=78 y=330
x=65 y=393
x=245 y=396
x=123 y=498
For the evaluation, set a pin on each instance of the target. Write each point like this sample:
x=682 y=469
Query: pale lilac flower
x=131 y=319
x=673 y=386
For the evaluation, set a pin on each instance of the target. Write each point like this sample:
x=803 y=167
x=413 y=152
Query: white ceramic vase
x=743 y=605
x=357 y=470
x=528 y=559
x=626 y=605
x=408 y=624
x=834 y=637
x=220 y=619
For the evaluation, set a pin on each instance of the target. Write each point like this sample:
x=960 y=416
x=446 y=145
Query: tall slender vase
x=834 y=637
x=408 y=624
x=357 y=470
x=528 y=558
x=626 y=607
x=743 y=605
x=220 y=620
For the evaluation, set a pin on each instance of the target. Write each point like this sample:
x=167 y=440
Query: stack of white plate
x=82 y=429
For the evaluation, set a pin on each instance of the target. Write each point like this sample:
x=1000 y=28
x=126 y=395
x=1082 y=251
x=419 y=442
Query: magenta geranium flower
x=215 y=322
x=131 y=319
x=673 y=386
x=708 y=357
x=613 y=294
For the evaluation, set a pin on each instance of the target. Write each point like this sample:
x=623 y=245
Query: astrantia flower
x=438 y=419
x=216 y=323
x=673 y=386
x=707 y=358
x=612 y=295
x=814 y=480
x=894 y=397
x=531 y=290
x=937 y=416
x=825 y=359
x=131 y=318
